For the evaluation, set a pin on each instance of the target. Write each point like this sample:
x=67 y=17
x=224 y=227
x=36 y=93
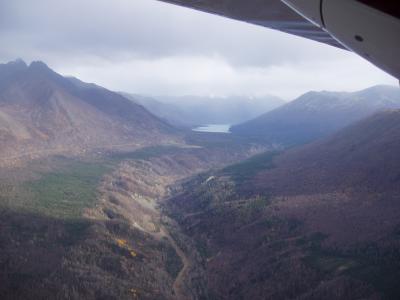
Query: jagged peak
x=18 y=62
x=39 y=65
x=11 y=70
x=40 y=68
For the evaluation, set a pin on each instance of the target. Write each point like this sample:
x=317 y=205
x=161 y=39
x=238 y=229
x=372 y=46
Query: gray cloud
x=161 y=48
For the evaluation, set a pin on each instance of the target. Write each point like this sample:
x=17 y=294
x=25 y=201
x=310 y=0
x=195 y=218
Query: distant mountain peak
x=382 y=87
x=378 y=89
x=14 y=65
x=316 y=114
x=39 y=69
x=39 y=65
x=19 y=62
x=11 y=69
x=41 y=110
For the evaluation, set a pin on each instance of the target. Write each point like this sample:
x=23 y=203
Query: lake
x=220 y=128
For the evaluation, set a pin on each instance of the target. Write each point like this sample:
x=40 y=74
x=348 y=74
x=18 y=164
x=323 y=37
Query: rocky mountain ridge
x=44 y=112
x=318 y=114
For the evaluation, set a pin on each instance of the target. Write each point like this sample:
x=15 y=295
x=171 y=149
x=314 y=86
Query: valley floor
x=72 y=226
x=219 y=219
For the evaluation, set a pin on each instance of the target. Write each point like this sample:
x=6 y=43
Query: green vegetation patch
x=251 y=208
x=66 y=192
x=250 y=167
x=326 y=261
x=145 y=153
x=212 y=140
x=333 y=264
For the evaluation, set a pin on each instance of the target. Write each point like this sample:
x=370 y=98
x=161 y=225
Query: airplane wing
x=268 y=13
x=370 y=28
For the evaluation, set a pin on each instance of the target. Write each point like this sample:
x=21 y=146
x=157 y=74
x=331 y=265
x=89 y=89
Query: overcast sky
x=153 y=48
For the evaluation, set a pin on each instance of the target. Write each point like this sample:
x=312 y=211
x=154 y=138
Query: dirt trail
x=179 y=283
x=179 y=288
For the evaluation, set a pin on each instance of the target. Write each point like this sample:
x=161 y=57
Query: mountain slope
x=317 y=114
x=363 y=156
x=41 y=111
x=316 y=222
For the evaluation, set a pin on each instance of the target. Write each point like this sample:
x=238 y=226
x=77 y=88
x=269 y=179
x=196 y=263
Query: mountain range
x=42 y=112
x=216 y=218
x=190 y=111
x=317 y=114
